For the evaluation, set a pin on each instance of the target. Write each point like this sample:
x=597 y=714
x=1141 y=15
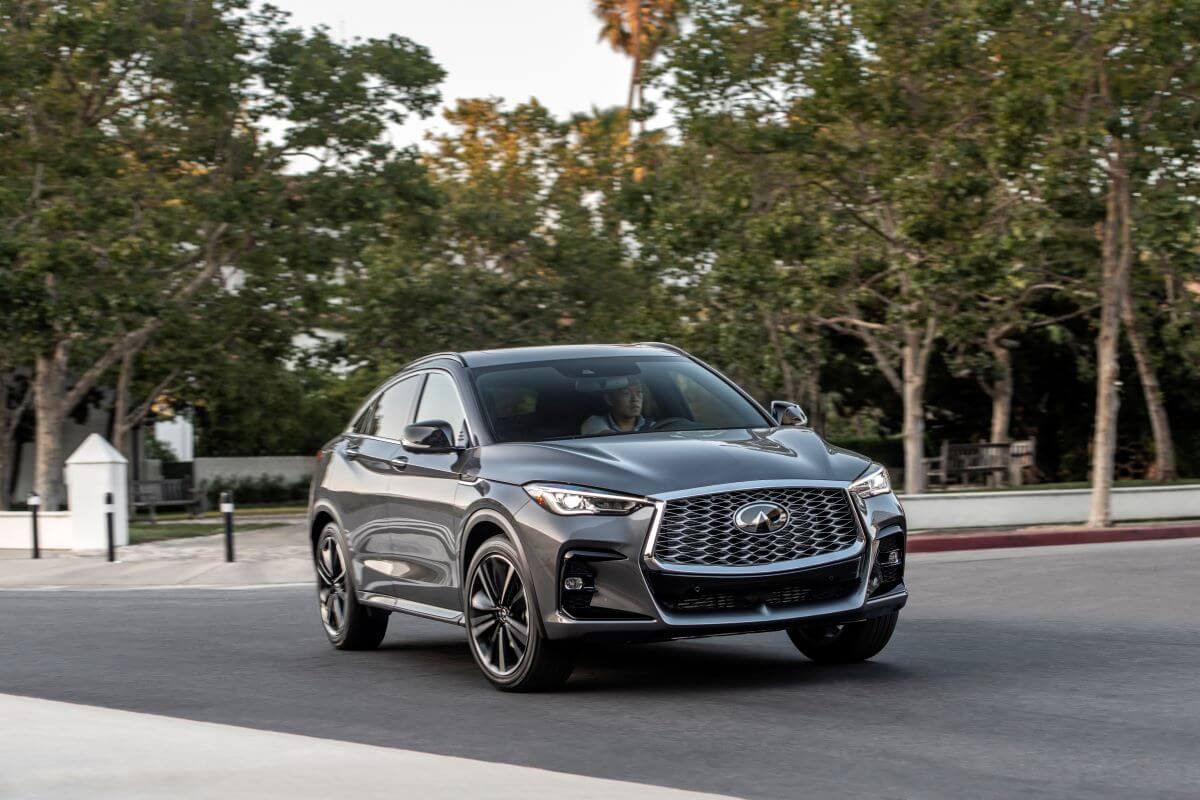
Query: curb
x=943 y=542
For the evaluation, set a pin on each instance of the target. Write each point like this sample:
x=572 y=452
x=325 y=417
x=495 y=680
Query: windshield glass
x=577 y=398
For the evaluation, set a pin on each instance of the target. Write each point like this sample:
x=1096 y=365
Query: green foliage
x=265 y=489
x=840 y=176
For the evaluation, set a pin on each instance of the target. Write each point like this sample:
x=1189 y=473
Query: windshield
x=579 y=398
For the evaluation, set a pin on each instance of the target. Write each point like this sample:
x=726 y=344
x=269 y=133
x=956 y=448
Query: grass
x=142 y=532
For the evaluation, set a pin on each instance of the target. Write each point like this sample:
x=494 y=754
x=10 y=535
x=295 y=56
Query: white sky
x=514 y=49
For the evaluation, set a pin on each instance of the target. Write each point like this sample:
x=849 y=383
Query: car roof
x=520 y=355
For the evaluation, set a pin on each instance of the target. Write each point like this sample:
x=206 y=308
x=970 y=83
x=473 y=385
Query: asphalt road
x=1052 y=672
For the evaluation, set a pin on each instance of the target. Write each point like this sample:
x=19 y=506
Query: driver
x=624 y=410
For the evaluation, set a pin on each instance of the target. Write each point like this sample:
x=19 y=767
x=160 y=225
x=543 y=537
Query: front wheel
x=844 y=644
x=502 y=626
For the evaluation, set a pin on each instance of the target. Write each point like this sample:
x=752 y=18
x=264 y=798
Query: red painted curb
x=943 y=542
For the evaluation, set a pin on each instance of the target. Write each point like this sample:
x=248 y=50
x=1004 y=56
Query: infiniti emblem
x=760 y=517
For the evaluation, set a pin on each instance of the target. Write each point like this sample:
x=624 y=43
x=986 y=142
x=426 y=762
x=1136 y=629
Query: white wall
x=54 y=530
x=290 y=468
x=178 y=434
x=1044 y=507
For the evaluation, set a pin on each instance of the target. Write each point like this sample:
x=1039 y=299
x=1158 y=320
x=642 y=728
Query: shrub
x=265 y=489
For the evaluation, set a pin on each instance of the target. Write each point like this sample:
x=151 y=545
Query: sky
x=514 y=49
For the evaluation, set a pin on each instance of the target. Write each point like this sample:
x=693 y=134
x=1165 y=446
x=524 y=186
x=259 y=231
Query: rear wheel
x=349 y=624
x=843 y=644
x=502 y=626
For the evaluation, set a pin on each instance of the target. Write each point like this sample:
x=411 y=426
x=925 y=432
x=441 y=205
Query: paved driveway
x=1054 y=672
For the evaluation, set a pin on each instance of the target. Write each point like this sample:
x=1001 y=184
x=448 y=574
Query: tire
x=844 y=644
x=349 y=624
x=501 y=612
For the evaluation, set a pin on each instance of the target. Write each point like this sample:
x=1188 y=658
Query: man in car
x=624 y=400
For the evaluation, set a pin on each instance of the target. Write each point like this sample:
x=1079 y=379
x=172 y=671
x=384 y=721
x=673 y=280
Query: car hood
x=648 y=464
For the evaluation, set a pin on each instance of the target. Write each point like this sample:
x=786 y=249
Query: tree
x=869 y=114
x=136 y=159
x=1119 y=82
x=524 y=246
x=637 y=28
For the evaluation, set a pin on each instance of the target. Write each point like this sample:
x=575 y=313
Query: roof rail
x=664 y=346
x=431 y=357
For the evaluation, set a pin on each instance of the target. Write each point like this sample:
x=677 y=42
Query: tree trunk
x=1114 y=286
x=1160 y=424
x=120 y=431
x=49 y=387
x=915 y=367
x=5 y=442
x=1001 y=391
x=634 y=14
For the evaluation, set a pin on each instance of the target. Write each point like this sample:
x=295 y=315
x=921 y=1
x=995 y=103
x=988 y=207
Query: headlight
x=875 y=482
x=568 y=500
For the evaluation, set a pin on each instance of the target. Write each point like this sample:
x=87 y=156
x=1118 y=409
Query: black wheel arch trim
x=500 y=519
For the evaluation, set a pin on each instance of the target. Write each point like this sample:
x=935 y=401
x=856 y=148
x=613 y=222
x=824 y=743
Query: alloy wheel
x=331 y=576
x=498 y=616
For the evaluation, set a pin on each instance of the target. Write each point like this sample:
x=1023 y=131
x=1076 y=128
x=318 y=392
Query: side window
x=393 y=410
x=440 y=401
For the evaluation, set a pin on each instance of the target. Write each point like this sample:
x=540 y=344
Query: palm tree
x=638 y=29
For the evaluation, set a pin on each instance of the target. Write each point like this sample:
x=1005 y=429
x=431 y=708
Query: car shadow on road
x=696 y=668
x=671 y=666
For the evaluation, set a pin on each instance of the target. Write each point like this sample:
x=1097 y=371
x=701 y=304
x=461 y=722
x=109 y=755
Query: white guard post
x=93 y=470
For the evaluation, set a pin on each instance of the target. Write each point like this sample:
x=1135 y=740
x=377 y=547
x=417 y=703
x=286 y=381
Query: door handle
x=399 y=462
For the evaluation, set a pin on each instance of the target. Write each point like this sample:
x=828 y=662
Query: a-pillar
x=92 y=471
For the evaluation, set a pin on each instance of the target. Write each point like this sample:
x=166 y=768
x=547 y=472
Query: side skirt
x=411 y=607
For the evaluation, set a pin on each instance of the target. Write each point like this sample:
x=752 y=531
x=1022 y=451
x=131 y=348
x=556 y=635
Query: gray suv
x=544 y=496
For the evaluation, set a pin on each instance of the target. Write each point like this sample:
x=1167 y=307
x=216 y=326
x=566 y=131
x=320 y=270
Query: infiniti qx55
x=543 y=496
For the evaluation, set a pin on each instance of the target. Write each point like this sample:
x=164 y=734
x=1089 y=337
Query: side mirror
x=786 y=412
x=429 y=436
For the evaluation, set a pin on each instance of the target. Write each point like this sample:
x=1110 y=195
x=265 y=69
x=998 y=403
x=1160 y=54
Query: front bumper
x=630 y=597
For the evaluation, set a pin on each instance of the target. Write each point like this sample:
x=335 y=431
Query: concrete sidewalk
x=63 y=750
x=280 y=556
x=271 y=556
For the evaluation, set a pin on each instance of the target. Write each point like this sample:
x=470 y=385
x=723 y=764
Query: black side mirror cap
x=429 y=436
x=786 y=412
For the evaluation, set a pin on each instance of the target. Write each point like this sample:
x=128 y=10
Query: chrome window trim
x=660 y=506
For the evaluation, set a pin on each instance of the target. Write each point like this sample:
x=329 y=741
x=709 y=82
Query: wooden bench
x=998 y=462
x=167 y=492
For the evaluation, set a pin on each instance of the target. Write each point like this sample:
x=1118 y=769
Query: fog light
x=573 y=584
x=891 y=558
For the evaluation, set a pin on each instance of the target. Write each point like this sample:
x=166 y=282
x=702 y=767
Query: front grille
x=700 y=530
x=746 y=600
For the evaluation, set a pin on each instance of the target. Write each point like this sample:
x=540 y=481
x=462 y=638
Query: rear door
x=425 y=544
x=373 y=454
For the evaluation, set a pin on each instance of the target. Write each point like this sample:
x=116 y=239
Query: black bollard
x=108 y=521
x=33 y=501
x=227 y=511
